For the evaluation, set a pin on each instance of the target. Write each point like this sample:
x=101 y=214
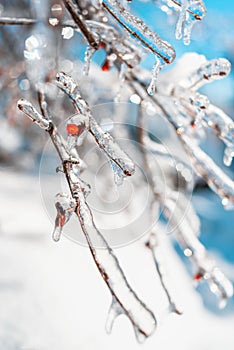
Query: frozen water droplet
x=88 y=57
x=181 y=21
x=65 y=206
x=173 y=308
x=188 y=26
x=118 y=173
x=114 y=311
x=222 y=303
x=228 y=155
x=187 y=19
x=121 y=81
x=140 y=336
x=228 y=205
x=159 y=63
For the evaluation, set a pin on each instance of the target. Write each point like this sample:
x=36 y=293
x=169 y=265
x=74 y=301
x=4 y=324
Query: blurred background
x=51 y=295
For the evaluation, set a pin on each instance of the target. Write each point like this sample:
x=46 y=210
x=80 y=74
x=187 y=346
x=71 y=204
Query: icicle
x=118 y=174
x=159 y=63
x=228 y=155
x=121 y=81
x=88 y=56
x=114 y=311
x=65 y=206
x=76 y=127
x=188 y=26
x=181 y=20
x=191 y=11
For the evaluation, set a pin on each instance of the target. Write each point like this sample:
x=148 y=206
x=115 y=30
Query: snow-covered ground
x=52 y=297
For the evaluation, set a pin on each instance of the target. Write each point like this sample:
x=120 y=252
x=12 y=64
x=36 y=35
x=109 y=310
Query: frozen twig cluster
x=111 y=26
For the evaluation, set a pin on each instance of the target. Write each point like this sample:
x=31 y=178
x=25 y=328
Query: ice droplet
x=88 y=57
x=140 y=336
x=188 y=18
x=114 y=311
x=188 y=26
x=222 y=303
x=121 y=81
x=181 y=21
x=65 y=206
x=228 y=155
x=159 y=63
x=118 y=173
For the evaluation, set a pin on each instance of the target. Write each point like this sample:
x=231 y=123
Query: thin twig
x=73 y=10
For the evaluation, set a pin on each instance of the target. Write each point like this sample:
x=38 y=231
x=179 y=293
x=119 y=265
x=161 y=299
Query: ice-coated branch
x=137 y=28
x=191 y=11
x=223 y=126
x=206 y=269
x=209 y=71
x=17 y=21
x=74 y=12
x=125 y=300
x=120 y=162
x=31 y=112
x=218 y=181
x=163 y=51
x=185 y=223
x=154 y=247
x=177 y=4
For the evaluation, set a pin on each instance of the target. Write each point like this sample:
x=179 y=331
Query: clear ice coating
x=122 y=45
x=28 y=109
x=159 y=63
x=223 y=126
x=118 y=158
x=191 y=11
x=88 y=57
x=217 y=180
x=123 y=68
x=142 y=319
x=76 y=129
x=153 y=243
x=65 y=206
x=209 y=71
x=139 y=30
x=114 y=311
x=183 y=220
x=196 y=252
